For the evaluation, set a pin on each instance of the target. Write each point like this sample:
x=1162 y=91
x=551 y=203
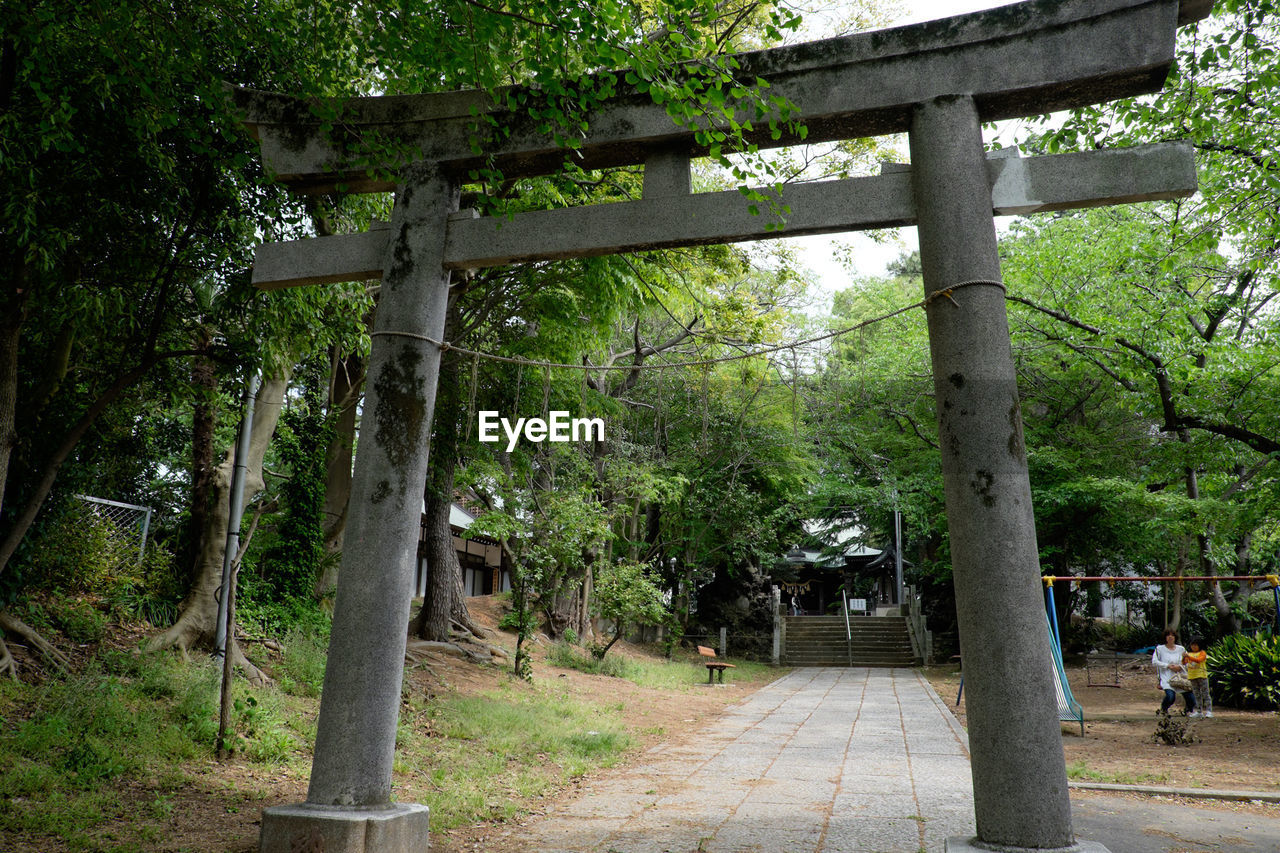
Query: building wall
x=482 y=571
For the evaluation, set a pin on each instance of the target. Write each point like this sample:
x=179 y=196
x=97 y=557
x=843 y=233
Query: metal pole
x=228 y=665
x=1276 y=592
x=848 y=632
x=775 y=598
x=237 y=511
x=1053 y=613
x=146 y=528
x=897 y=548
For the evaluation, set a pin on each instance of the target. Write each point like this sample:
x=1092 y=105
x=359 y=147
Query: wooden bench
x=714 y=667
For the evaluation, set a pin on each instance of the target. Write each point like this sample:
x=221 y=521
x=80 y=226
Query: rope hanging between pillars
x=446 y=346
x=947 y=291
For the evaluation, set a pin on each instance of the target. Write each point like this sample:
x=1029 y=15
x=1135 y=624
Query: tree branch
x=915 y=427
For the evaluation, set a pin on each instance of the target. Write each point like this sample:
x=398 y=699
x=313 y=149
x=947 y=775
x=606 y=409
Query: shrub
x=279 y=618
x=1260 y=609
x=151 y=591
x=294 y=554
x=81 y=622
x=511 y=621
x=1245 y=672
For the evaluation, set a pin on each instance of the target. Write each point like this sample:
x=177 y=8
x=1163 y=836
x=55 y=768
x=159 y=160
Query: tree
x=625 y=595
x=1141 y=308
x=870 y=413
x=134 y=203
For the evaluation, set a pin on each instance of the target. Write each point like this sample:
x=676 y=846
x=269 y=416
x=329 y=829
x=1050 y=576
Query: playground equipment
x=1050 y=580
x=1069 y=710
x=1068 y=707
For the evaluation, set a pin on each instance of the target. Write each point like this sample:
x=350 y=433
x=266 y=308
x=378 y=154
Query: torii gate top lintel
x=1022 y=59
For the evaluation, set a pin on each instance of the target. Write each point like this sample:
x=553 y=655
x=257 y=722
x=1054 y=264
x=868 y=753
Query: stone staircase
x=820 y=641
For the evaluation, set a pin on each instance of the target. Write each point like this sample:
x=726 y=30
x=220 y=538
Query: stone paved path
x=850 y=760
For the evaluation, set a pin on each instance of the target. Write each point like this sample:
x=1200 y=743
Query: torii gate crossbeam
x=936 y=81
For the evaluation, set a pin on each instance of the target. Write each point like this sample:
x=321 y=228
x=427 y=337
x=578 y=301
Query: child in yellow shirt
x=1198 y=674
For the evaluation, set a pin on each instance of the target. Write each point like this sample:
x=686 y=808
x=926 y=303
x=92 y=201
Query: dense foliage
x=1244 y=672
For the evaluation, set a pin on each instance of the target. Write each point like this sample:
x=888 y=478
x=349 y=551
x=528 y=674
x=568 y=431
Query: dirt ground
x=1236 y=750
x=652 y=717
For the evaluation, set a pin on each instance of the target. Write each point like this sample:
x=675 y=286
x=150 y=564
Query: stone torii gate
x=936 y=81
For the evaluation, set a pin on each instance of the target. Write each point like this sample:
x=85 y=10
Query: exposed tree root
x=12 y=625
x=416 y=650
x=465 y=647
x=470 y=643
x=182 y=635
x=252 y=674
x=462 y=621
x=496 y=651
x=187 y=634
x=7 y=664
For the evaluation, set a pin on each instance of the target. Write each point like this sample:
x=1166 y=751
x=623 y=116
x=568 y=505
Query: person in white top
x=1167 y=659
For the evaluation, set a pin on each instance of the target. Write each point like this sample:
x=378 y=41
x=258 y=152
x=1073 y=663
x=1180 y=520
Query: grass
x=1080 y=771
x=679 y=674
x=471 y=758
x=99 y=759
x=70 y=739
x=110 y=756
x=131 y=722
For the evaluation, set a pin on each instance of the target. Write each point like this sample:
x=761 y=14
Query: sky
x=870 y=257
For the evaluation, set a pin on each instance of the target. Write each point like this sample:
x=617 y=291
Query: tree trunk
x=345 y=380
x=1229 y=621
x=10 y=333
x=618 y=630
x=198 y=617
x=13 y=308
x=445 y=600
x=204 y=417
x=1204 y=564
x=15 y=627
x=1174 y=621
x=444 y=573
x=586 y=631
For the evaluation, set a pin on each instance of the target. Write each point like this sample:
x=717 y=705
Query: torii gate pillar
x=1020 y=783
x=349 y=807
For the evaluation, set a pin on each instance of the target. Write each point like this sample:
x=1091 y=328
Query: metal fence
x=127 y=525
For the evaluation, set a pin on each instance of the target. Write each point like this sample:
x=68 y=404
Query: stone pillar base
x=305 y=828
x=957 y=844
